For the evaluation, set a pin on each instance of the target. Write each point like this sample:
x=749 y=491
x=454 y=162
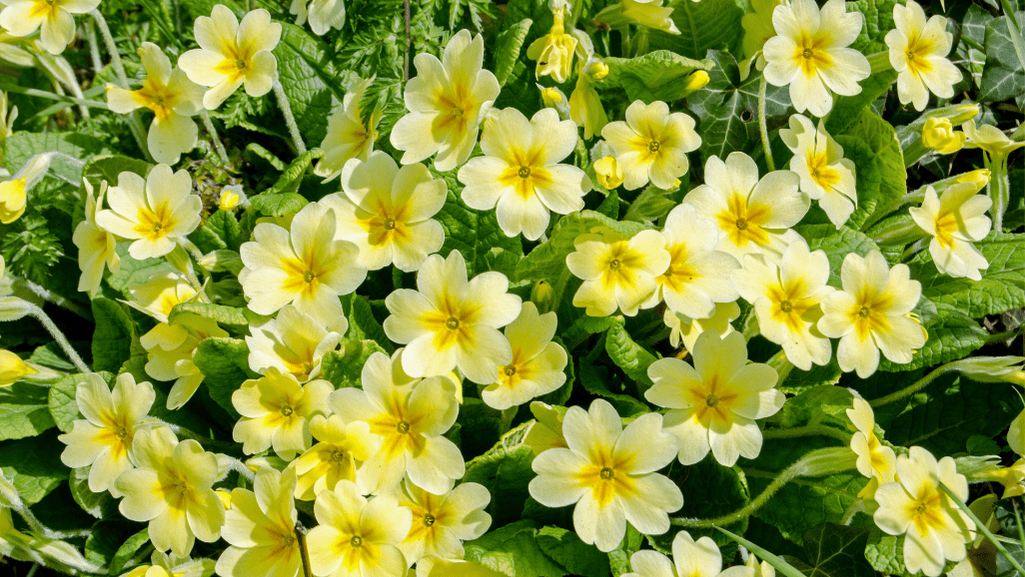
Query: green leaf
x=655 y=76
x=507 y=48
x=727 y=108
x=98 y=505
x=50 y=355
x=238 y=317
x=569 y=551
x=116 y=338
x=61 y=401
x=709 y=490
x=548 y=260
x=363 y=324
x=1003 y=77
x=805 y=503
x=846 y=109
x=21 y=146
x=514 y=551
x=310 y=80
x=282 y=204
x=33 y=477
x=776 y=562
x=628 y=355
x=504 y=471
x=109 y=167
x=837 y=243
x=105 y=540
x=293 y=175
x=127 y=550
x=837 y=551
x=225 y=364
x=702 y=25
x=344 y=367
x=597 y=381
x=878 y=21
x=133 y=272
x=953 y=335
x=473 y=233
x=220 y=231
x=825 y=404
x=24 y=411
x=885 y=553
x=1001 y=289
x=884 y=161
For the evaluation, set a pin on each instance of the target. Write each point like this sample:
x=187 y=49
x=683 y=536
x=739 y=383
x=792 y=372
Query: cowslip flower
x=617 y=273
x=691 y=558
x=754 y=215
x=293 y=342
x=918 y=52
x=322 y=14
x=955 y=220
x=387 y=211
x=104 y=438
x=870 y=314
x=170 y=348
x=826 y=176
x=787 y=301
x=554 y=51
x=12 y=368
x=51 y=17
x=409 y=417
x=260 y=528
x=96 y=246
x=231 y=54
x=171 y=488
x=537 y=365
x=14 y=189
x=338 y=455
x=447 y=101
x=154 y=213
x=714 y=404
x=521 y=173
x=349 y=133
x=938 y=134
x=585 y=107
x=275 y=412
x=684 y=330
x=652 y=144
x=172 y=97
x=698 y=276
x=442 y=522
x=306 y=266
x=449 y=322
x=810 y=53
x=357 y=537
x=936 y=529
x=875 y=460
x=650 y=13
x=609 y=472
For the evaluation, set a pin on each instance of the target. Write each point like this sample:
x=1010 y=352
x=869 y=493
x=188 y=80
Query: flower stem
x=300 y=535
x=999 y=188
x=807 y=432
x=212 y=131
x=58 y=300
x=94 y=48
x=914 y=388
x=58 y=336
x=762 y=126
x=241 y=468
x=286 y=110
x=981 y=527
x=51 y=96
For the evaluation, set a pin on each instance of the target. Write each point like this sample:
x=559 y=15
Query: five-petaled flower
x=918 y=52
x=652 y=144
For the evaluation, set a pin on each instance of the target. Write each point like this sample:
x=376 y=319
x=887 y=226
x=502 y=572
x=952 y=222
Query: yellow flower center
x=743 y=223
x=428 y=520
x=338 y=455
x=452 y=323
x=946 y=225
x=45 y=8
x=810 y=54
x=868 y=314
x=614 y=264
x=654 y=146
x=789 y=304
x=389 y=224
x=606 y=474
x=619 y=265
x=304 y=274
x=121 y=433
x=523 y=172
x=156 y=97
x=824 y=175
x=287 y=411
x=679 y=273
x=786 y=306
x=917 y=54
x=356 y=542
x=402 y=427
x=712 y=401
x=456 y=108
x=509 y=371
x=526 y=171
x=925 y=511
x=154 y=224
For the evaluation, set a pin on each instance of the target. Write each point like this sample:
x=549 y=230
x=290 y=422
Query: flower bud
x=939 y=135
x=608 y=172
x=696 y=81
x=964 y=113
x=552 y=97
x=992 y=369
x=597 y=70
x=232 y=197
x=12 y=368
x=980 y=178
x=543 y=296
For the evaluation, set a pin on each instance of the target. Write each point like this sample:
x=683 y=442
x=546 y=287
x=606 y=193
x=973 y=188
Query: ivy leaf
x=837 y=551
x=507 y=48
x=655 y=76
x=569 y=551
x=1001 y=289
x=702 y=25
x=24 y=411
x=514 y=551
x=1004 y=75
x=225 y=364
x=310 y=80
x=33 y=478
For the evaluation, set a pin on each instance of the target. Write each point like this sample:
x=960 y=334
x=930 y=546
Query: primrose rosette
x=529 y=288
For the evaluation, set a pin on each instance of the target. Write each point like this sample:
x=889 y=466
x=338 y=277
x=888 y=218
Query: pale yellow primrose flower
x=231 y=54
x=322 y=14
x=96 y=246
x=104 y=438
x=155 y=213
x=275 y=411
x=349 y=134
x=260 y=527
x=357 y=537
x=521 y=173
x=989 y=138
x=652 y=144
x=306 y=266
x=955 y=220
x=170 y=348
x=938 y=134
x=442 y=522
x=172 y=97
x=546 y=430
x=164 y=565
x=810 y=53
x=14 y=189
x=617 y=273
x=161 y=292
x=339 y=454
x=826 y=176
x=387 y=211
x=52 y=17
x=447 y=101
x=918 y=52
x=686 y=330
x=754 y=215
x=758 y=27
x=698 y=276
x=609 y=472
x=691 y=558
x=787 y=301
x=293 y=342
x=875 y=460
x=871 y=314
x=12 y=368
x=715 y=403
x=171 y=488
x=554 y=51
x=449 y=322
x=537 y=365
x=650 y=13
x=409 y=417
x=936 y=529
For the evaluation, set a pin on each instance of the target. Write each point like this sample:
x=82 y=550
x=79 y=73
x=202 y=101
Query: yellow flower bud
x=232 y=197
x=552 y=96
x=543 y=295
x=608 y=172
x=597 y=70
x=980 y=178
x=964 y=113
x=12 y=368
x=939 y=135
x=696 y=81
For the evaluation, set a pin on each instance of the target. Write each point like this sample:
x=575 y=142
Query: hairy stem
x=808 y=431
x=212 y=131
x=286 y=111
x=57 y=335
x=762 y=127
x=999 y=188
x=914 y=388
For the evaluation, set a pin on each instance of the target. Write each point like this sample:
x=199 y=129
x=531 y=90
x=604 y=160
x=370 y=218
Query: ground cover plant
x=373 y=288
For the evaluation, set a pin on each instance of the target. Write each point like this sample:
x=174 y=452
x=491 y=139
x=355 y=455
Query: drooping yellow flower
x=52 y=17
x=13 y=190
x=95 y=245
x=12 y=368
x=826 y=176
x=810 y=53
x=684 y=330
x=231 y=54
x=447 y=101
x=293 y=342
x=875 y=460
x=918 y=52
x=608 y=172
x=554 y=51
x=340 y=452
x=652 y=144
x=260 y=528
x=609 y=473
x=955 y=220
x=617 y=273
x=275 y=412
x=714 y=404
x=938 y=134
x=442 y=522
x=170 y=348
x=350 y=132
x=870 y=314
x=936 y=529
x=537 y=365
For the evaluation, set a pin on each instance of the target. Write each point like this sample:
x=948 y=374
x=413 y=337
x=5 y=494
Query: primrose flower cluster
x=358 y=344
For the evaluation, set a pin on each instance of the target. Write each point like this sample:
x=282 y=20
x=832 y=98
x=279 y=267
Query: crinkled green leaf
x=804 y=503
x=569 y=551
x=116 y=338
x=292 y=176
x=776 y=562
x=106 y=538
x=826 y=404
x=513 y=550
x=837 y=244
x=24 y=411
x=473 y=233
x=220 y=231
x=50 y=355
x=225 y=364
x=109 y=167
x=884 y=161
x=239 y=317
x=629 y=356
x=846 y=109
x=363 y=324
x=1001 y=289
x=597 y=380
x=98 y=505
x=505 y=472
x=33 y=478
x=878 y=20
x=286 y=203
x=1004 y=75
x=344 y=367
x=310 y=80
x=53 y=190
x=702 y=25
x=885 y=553
x=657 y=75
x=709 y=490
x=128 y=549
x=507 y=48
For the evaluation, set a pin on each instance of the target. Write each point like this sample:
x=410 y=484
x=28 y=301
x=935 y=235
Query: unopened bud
x=543 y=296
x=938 y=134
x=12 y=368
x=597 y=70
x=608 y=172
x=992 y=369
x=696 y=81
x=232 y=197
x=980 y=178
x=552 y=96
x=964 y=113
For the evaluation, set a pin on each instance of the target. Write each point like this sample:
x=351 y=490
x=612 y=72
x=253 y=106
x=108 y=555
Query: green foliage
x=116 y=338
x=33 y=478
x=507 y=48
x=1004 y=74
x=805 y=503
x=702 y=25
x=628 y=355
x=504 y=471
x=952 y=335
x=344 y=367
x=225 y=364
x=1002 y=287
x=837 y=244
x=310 y=80
x=709 y=490
x=98 y=505
x=548 y=260
x=473 y=233
x=878 y=20
x=655 y=76
x=24 y=411
x=835 y=551
x=569 y=551
x=513 y=550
